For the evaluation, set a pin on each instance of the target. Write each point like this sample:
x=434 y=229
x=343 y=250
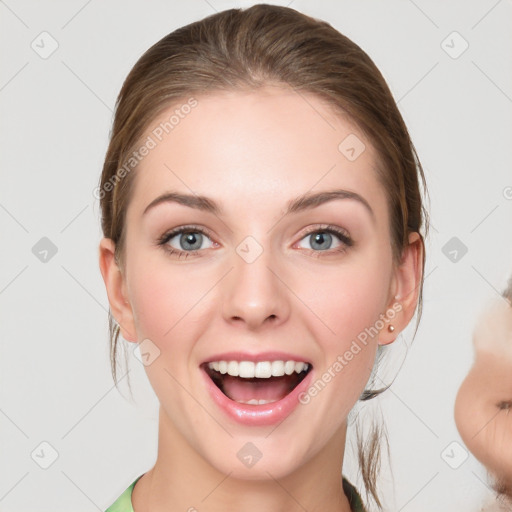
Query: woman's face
x=260 y=276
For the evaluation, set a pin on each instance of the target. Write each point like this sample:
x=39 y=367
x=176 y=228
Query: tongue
x=271 y=389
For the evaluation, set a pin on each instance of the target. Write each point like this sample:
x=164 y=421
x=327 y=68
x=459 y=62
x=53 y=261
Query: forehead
x=255 y=149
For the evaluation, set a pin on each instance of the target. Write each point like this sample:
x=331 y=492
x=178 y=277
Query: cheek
x=168 y=301
x=348 y=301
x=169 y=309
x=156 y=309
x=347 y=307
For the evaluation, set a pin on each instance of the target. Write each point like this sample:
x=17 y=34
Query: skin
x=252 y=152
x=484 y=400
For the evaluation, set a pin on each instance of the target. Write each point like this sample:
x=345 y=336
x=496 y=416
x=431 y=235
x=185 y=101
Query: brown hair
x=239 y=49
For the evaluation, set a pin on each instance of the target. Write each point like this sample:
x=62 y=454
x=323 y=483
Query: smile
x=257 y=393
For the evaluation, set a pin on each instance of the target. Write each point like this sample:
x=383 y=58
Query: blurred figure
x=484 y=400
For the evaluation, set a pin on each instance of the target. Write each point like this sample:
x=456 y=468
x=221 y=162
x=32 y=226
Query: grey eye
x=189 y=241
x=322 y=240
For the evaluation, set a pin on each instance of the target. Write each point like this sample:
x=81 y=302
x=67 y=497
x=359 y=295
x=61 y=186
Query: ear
x=116 y=290
x=404 y=289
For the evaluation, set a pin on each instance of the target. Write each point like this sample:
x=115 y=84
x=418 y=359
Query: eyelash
x=325 y=228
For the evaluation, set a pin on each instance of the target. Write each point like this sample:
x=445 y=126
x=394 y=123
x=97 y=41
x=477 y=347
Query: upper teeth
x=261 y=370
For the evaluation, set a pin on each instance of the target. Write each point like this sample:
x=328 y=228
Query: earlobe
x=388 y=334
x=116 y=290
x=406 y=285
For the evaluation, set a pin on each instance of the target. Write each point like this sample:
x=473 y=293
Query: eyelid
x=187 y=227
x=327 y=227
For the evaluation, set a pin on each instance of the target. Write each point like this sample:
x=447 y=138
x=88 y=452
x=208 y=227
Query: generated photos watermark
x=344 y=359
x=151 y=142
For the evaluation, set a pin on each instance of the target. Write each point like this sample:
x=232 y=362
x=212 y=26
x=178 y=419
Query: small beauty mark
x=44 y=45
x=146 y=352
x=249 y=249
x=454 y=45
x=454 y=455
x=454 y=249
x=249 y=454
x=44 y=250
x=44 y=455
x=351 y=147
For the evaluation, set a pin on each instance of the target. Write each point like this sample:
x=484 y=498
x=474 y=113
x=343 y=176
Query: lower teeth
x=255 y=402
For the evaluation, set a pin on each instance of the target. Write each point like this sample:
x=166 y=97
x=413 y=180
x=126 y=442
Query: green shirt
x=124 y=502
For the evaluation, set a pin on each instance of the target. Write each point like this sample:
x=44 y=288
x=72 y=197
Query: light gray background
x=56 y=115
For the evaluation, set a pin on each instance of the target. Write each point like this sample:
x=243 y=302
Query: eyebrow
x=301 y=203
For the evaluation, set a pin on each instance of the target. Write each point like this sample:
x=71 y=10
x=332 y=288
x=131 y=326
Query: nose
x=255 y=293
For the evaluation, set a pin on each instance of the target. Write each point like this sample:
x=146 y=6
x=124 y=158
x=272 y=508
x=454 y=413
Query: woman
x=262 y=218
x=484 y=400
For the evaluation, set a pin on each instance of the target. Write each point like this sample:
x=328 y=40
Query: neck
x=183 y=480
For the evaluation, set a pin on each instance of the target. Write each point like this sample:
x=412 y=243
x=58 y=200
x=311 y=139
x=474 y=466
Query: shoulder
x=356 y=503
x=124 y=502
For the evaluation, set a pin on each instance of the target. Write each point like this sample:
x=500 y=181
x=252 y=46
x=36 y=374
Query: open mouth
x=258 y=383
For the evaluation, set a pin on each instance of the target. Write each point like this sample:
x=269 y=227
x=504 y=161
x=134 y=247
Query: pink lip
x=263 y=356
x=257 y=415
